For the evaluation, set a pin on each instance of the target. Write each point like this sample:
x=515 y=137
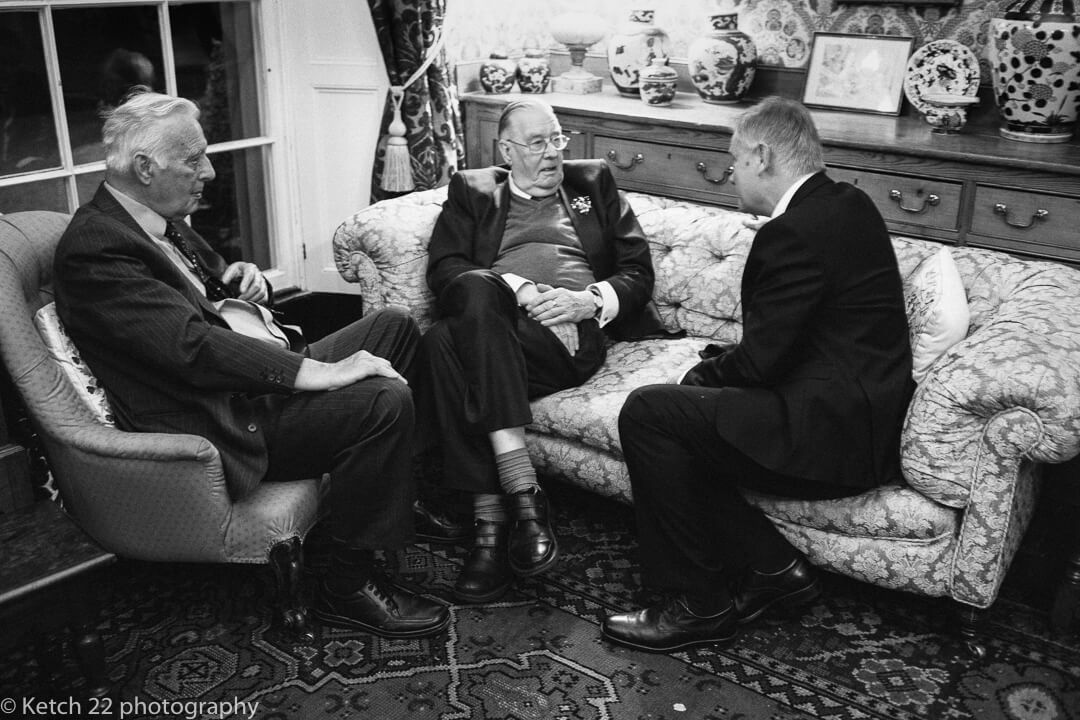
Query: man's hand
x=552 y=305
x=315 y=375
x=253 y=286
x=755 y=222
x=568 y=336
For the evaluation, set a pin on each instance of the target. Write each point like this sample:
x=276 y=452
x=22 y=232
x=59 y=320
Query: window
x=61 y=64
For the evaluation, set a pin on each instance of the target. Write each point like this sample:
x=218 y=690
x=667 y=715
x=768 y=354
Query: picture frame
x=861 y=73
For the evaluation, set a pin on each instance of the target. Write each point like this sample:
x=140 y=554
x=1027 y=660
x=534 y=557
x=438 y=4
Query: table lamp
x=578 y=32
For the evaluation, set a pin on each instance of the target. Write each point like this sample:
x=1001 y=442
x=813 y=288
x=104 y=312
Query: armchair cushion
x=71 y=364
x=937 y=310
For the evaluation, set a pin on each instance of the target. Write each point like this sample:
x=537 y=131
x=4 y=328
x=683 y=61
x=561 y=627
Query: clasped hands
x=557 y=309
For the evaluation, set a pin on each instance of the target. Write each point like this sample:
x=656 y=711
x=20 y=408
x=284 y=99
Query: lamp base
x=576 y=83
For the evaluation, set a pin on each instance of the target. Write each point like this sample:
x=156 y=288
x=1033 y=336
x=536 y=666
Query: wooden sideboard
x=973 y=188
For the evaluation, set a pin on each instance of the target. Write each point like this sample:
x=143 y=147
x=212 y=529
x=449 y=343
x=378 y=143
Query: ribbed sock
x=349 y=567
x=490 y=507
x=516 y=472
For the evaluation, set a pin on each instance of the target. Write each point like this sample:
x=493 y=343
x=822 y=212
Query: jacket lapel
x=585 y=221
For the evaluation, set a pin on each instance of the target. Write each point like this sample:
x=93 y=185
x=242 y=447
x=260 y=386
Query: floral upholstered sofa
x=992 y=409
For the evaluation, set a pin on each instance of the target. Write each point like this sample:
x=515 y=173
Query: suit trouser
x=362 y=434
x=484 y=361
x=694 y=527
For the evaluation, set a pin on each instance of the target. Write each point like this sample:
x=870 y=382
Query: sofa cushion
x=590 y=413
x=886 y=512
x=937 y=310
x=69 y=359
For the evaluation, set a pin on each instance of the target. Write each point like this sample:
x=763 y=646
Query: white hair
x=131 y=128
x=787 y=127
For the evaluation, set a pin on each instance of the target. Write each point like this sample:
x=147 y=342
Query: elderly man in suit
x=185 y=343
x=534 y=264
x=809 y=403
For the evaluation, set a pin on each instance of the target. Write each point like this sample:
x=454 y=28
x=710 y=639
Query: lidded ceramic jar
x=633 y=48
x=533 y=72
x=497 y=73
x=658 y=82
x=1034 y=54
x=722 y=63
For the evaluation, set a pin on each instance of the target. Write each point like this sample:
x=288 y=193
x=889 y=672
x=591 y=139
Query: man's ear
x=504 y=152
x=143 y=167
x=764 y=156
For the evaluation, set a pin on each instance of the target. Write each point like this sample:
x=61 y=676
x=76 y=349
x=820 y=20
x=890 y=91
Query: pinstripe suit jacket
x=166 y=358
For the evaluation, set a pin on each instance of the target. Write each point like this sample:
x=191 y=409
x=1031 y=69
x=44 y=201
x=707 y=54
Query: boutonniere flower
x=581 y=204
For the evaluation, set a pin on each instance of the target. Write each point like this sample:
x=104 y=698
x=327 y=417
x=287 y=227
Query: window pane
x=86 y=185
x=214 y=50
x=28 y=139
x=103 y=53
x=233 y=213
x=40 y=195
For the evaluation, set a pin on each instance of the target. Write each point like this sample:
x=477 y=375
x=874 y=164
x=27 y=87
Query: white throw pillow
x=69 y=359
x=937 y=310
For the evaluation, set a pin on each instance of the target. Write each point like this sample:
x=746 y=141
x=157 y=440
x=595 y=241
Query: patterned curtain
x=406 y=30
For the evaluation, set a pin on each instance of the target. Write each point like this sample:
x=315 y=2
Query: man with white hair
x=809 y=403
x=185 y=343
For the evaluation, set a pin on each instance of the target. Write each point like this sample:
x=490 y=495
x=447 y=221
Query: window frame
x=287 y=265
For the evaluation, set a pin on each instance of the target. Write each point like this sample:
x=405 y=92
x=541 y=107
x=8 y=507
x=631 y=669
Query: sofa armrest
x=384 y=248
x=1010 y=389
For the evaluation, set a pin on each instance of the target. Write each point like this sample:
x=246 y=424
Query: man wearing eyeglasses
x=534 y=263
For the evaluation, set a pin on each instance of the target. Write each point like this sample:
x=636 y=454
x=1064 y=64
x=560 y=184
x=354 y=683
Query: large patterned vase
x=633 y=48
x=533 y=72
x=1035 y=57
x=722 y=63
x=498 y=73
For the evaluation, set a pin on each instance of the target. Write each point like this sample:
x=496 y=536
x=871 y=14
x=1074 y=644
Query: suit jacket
x=166 y=358
x=470 y=228
x=821 y=379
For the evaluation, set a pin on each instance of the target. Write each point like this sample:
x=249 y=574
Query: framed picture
x=864 y=73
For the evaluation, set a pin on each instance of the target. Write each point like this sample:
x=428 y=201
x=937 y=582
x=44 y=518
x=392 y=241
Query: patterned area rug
x=178 y=635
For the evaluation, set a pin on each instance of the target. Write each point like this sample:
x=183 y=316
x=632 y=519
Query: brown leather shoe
x=670 y=626
x=379 y=607
x=756 y=592
x=486 y=574
x=533 y=547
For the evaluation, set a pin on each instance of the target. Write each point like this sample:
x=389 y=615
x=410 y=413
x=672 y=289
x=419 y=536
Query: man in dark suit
x=809 y=403
x=534 y=264
x=184 y=343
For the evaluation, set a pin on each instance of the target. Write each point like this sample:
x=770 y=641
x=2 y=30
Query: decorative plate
x=941 y=66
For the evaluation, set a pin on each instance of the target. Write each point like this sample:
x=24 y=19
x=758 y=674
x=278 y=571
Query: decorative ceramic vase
x=658 y=83
x=497 y=73
x=722 y=63
x=633 y=48
x=1034 y=53
x=533 y=72
x=946 y=112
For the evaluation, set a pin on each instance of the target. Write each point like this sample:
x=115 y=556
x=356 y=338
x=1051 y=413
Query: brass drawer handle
x=931 y=200
x=614 y=158
x=1003 y=209
x=704 y=170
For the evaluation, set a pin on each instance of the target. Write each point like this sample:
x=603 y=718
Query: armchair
x=146 y=496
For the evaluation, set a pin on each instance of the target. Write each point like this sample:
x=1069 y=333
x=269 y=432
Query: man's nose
x=206 y=173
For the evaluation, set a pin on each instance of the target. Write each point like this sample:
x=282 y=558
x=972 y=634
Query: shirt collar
x=518 y=191
x=785 y=199
x=152 y=223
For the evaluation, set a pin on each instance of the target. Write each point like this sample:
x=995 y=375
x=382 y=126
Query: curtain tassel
x=397 y=165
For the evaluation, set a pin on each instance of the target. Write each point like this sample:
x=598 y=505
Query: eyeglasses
x=538 y=146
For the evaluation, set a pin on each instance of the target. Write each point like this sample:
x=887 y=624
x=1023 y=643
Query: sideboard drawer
x=926 y=202
x=1028 y=222
x=685 y=172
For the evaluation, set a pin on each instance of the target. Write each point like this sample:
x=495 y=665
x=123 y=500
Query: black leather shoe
x=434 y=526
x=533 y=547
x=795 y=585
x=670 y=626
x=380 y=608
x=486 y=574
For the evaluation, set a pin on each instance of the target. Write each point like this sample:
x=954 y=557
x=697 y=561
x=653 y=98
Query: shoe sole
x=537 y=569
x=796 y=599
x=648 y=648
x=347 y=622
x=476 y=599
x=440 y=539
